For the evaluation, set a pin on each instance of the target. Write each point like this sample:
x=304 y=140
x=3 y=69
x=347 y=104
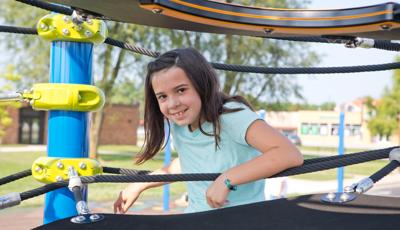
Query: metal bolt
x=88 y=33
x=386 y=27
x=331 y=196
x=80 y=218
x=89 y=21
x=268 y=30
x=157 y=10
x=43 y=27
x=82 y=165
x=94 y=217
x=65 y=31
x=344 y=197
x=60 y=165
x=66 y=19
x=59 y=178
x=38 y=169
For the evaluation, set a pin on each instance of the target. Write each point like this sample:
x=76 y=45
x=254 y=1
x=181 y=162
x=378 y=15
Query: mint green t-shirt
x=197 y=154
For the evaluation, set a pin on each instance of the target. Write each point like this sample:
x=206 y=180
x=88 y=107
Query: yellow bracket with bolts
x=51 y=169
x=70 y=97
x=58 y=27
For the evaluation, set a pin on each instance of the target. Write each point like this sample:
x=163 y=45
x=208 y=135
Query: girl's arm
x=130 y=194
x=278 y=154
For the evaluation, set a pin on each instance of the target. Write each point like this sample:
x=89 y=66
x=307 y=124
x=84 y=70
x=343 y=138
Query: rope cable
x=319 y=166
x=15 y=176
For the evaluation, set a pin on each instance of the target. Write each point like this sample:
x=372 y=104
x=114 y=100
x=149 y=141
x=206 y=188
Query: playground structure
x=69 y=96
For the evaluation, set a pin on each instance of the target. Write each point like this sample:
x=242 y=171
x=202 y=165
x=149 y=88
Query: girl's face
x=176 y=96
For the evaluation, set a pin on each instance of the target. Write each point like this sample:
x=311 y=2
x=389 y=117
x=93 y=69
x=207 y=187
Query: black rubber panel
x=130 y=11
x=305 y=212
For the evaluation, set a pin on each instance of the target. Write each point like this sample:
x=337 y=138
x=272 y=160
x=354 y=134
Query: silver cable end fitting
x=82 y=208
x=360 y=42
x=394 y=155
x=74 y=179
x=364 y=185
x=9 y=200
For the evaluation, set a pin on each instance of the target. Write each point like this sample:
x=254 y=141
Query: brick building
x=120 y=124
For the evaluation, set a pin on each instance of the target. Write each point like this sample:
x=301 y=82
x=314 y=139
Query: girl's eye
x=161 y=97
x=181 y=90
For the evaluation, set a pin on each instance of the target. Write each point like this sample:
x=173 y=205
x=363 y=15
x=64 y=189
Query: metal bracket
x=338 y=198
x=87 y=218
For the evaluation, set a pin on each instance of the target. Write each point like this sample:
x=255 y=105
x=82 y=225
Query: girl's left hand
x=217 y=193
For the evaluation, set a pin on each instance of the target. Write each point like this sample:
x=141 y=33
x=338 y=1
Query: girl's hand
x=126 y=198
x=217 y=193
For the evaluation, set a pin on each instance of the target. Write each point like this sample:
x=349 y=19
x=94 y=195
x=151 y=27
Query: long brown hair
x=205 y=81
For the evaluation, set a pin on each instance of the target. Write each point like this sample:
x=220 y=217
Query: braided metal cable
x=351 y=155
x=136 y=49
x=18 y=30
x=124 y=171
x=384 y=171
x=309 y=70
x=48 y=6
x=242 y=68
x=319 y=166
x=15 y=176
x=386 y=45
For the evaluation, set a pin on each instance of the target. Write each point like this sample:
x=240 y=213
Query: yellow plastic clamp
x=51 y=169
x=58 y=27
x=71 y=97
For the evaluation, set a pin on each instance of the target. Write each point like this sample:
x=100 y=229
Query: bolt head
x=60 y=165
x=38 y=169
x=65 y=31
x=331 y=196
x=66 y=19
x=157 y=10
x=82 y=165
x=59 y=178
x=386 y=27
x=88 y=33
x=94 y=217
x=43 y=27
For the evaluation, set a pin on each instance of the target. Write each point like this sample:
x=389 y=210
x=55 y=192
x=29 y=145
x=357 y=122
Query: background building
x=120 y=123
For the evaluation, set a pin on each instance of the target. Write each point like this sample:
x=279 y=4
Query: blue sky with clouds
x=346 y=87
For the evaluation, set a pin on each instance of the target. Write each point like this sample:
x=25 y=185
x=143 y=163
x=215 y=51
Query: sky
x=341 y=88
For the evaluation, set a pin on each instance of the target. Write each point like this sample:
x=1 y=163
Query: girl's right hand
x=126 y=198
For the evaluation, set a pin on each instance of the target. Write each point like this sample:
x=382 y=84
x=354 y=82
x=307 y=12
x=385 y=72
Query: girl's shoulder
x=235 y=105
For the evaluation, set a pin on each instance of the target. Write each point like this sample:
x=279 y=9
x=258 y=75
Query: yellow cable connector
x=51 y=169
x=70 y=97
x=58 y=27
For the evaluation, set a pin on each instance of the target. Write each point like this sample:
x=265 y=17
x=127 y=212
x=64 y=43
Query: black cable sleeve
x=15 y=176
x=18 y=30
x=384 y=171
x=48 y=6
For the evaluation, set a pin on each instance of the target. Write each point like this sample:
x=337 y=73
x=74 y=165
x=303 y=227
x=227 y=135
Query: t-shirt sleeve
x=237 y=123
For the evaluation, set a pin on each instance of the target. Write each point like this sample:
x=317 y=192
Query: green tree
x=121 y=74
x=8 y=79
x=385 y=115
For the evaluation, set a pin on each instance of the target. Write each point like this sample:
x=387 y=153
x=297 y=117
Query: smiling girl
x=212 y=133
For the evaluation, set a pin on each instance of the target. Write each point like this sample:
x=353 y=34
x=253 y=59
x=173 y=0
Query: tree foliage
x=8 y=79
x=385 y=113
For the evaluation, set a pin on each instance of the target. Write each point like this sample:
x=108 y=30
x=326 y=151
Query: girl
x=212 y=133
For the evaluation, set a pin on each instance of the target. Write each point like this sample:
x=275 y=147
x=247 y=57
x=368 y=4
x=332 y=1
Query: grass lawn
x=122 y=157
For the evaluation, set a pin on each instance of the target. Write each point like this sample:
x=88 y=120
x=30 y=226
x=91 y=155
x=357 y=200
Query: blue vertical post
x=167 y=161
x=71 y=62
x=340 y=151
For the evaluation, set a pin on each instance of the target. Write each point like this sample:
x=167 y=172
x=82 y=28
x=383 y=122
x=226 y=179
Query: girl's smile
x=177 y=98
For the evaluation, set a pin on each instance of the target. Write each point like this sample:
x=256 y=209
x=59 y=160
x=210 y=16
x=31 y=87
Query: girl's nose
x=173 y=102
